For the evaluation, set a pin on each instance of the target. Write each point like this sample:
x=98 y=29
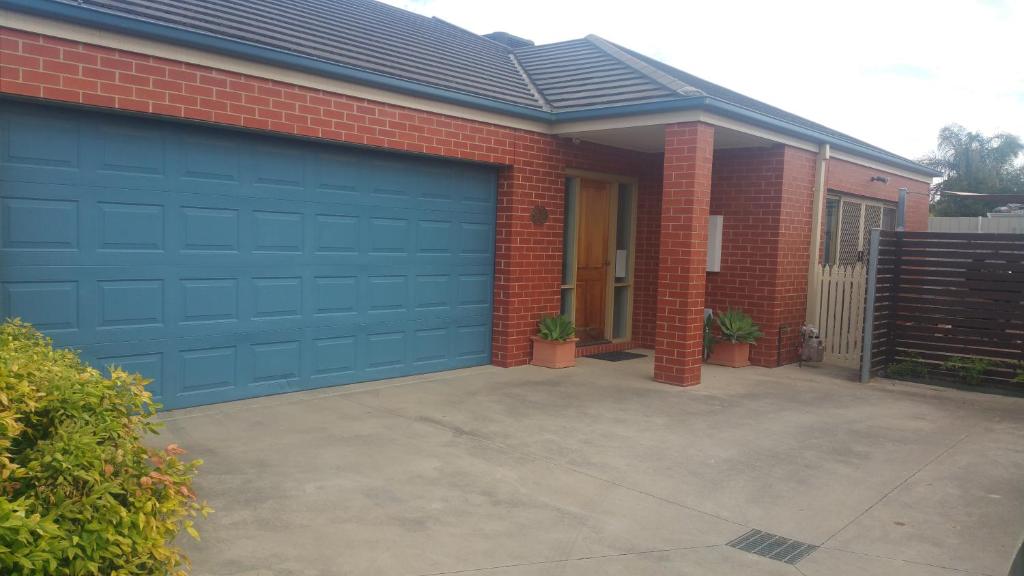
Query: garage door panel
x=472 y=342
x=39 y=220
x=279 y=166
x=208 y=164
x=63 y=224
x=149 y=364
x=208 y=369
x=60 y=146
x=225 y=265
x=119 y=303
x=125 y=155
x=37 y=147
x=52 y=305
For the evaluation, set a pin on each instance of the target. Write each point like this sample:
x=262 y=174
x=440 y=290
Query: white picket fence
x=1009 y=224
x=840 y=313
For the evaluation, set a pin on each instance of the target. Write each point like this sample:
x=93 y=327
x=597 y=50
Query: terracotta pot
x=734 y=355
x=552 y=353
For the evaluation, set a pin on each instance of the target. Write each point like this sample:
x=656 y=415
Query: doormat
x=618 y=356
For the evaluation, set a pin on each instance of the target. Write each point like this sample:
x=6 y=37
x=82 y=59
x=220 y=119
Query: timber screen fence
x=940 y=298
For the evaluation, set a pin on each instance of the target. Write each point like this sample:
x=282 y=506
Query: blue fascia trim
x=91 y=17
x=132 y=26
x=677 y=105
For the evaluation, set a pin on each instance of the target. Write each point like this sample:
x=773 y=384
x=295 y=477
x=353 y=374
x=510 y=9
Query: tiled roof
x=577 y=76
x=359 y=33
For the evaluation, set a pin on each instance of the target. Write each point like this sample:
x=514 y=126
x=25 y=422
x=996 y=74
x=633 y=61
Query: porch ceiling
x=652 y=138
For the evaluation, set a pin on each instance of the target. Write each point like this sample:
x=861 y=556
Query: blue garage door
x=226 y=265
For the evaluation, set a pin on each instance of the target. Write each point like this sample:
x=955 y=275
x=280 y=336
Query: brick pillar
x=686 y=193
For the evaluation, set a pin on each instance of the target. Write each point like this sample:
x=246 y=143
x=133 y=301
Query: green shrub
x=970 y=370
x=908 y=369
x=737 y=326
x=558 y=328
x=1018 y=371
x=81 y=494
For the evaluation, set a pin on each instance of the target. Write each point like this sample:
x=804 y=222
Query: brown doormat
x=618 y=356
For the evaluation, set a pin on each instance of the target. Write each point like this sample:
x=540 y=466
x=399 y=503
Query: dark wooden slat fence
x=939 y=295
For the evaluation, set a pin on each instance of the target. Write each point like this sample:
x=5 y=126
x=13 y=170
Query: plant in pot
x=738 y=333
x=554 y=346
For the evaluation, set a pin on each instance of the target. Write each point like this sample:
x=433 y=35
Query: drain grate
x=773 y=546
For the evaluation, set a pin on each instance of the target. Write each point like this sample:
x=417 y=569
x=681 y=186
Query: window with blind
x=848 y=223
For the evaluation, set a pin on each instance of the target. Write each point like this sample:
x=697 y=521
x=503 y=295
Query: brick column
x=686 y=194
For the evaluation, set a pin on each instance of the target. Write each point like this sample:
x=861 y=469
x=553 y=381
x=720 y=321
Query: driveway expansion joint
x=898 y=486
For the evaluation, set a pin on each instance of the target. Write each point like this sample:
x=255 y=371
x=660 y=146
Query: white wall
x=999 y=224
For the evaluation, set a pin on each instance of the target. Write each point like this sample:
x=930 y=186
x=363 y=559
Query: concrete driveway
x=599 y=470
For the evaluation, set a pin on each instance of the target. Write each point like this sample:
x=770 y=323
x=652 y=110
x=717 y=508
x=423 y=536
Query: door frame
x=573 y=177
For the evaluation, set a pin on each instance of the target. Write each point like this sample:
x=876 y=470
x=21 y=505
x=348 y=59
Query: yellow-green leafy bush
x=79 y=492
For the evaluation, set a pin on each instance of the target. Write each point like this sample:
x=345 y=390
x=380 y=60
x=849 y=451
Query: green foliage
x=908 y=369
x=970 y=370
x=709 y=335
x=974 y=162
x=1018 y=370
x=558 y=328
x=737 y=326
x=81 y=494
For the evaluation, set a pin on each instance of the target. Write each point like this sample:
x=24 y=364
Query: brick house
x=239 y=201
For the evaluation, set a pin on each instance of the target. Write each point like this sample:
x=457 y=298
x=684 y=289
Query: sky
x=890 y=72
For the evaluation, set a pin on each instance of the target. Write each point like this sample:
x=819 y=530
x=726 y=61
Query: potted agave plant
x=554 y=346
x=738 y=333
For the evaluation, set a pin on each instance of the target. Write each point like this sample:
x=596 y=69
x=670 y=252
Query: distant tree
x=974 y=162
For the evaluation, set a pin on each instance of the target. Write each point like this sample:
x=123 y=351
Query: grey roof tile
x=578 y=74
x=584 y=74
x=360 y=33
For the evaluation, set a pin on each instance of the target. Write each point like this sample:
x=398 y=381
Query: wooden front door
x=592 y=259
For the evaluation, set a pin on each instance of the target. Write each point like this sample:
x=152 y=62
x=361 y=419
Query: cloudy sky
x=891 y=72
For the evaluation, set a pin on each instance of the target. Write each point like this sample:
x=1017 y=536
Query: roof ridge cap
x=644 y=68
x=458 y=28
x=544 y=104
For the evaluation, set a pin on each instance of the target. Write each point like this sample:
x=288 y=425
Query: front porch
x=633 y=237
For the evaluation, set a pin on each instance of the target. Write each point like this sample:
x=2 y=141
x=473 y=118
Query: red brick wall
x=648 y=235
x=528 y=259
x=764 y=195
x=794 y=242
x=685 y=198
x=527 y=256
x=851 y=178
x=745 y=187
x=745 y=191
